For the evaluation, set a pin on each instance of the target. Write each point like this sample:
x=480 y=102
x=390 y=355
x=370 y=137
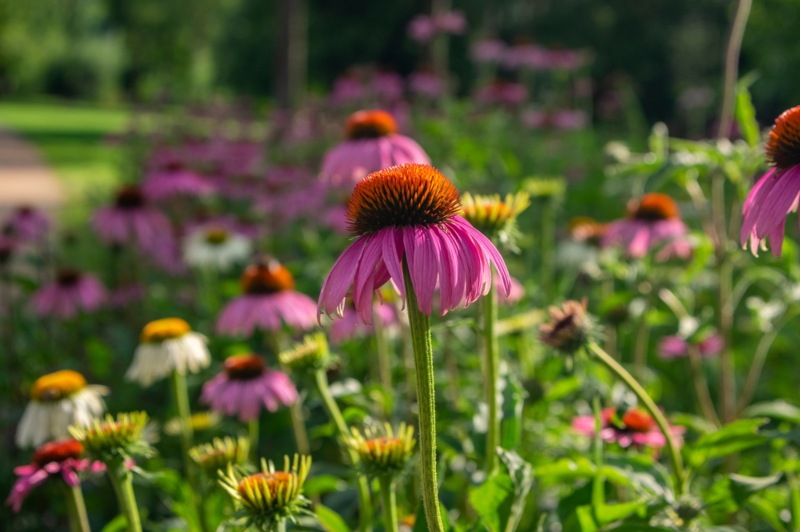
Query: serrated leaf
x=330 y=520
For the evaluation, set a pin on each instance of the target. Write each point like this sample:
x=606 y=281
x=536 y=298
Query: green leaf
x=521 y=474
x=768 y=511
x=330 y=520
x=100 y=356
x=743 y=486
x=780 y=410
x=493 y=499
x=746 y=113
x=608 y=513
x=731 y=438
x=118 y=524
x=513 y=401
x=562 y=387
x=321 y=484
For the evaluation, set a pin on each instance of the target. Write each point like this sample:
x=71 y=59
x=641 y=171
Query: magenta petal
x=340 y=278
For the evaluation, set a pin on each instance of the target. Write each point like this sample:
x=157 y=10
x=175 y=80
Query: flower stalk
x=252 y=434
x=364 y=500
x=492 y=375
x=389 y=501
x=76 y=509
x=678 y=473
x=426 y=399
x=121 y=480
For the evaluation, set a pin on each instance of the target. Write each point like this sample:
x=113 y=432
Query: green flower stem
x=492 y=374
x=426 y=400
x=121 y=479
x=678 y=473
x=280 y=526
x=389 y=501
x=252 y=433
x=181 y=394
x=364 y=500
x=299 y=427
x=76 y=509
x=547 y=283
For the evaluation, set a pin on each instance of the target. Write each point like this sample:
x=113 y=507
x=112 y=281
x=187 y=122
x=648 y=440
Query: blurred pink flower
x=636 y=427
x=421 y=28
x=174 y=179
x=27 y=224
x=563 y=119
x=246 y=386
x=526 y=55
x=652 y=220
x=57 y=459
x=70 y=293
x=347 y=89
x=426 y=84
x=372 y=144
x=515 y=294
x=269 y=301
x=503 y=93
x=126 y=294
x=488 y=51
x=131 y=220
x=675 y=346
x=351 y=326
x=450 y=22
x=387 y=86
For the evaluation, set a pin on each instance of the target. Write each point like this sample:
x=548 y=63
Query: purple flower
x=351 y=325
x=372 y=144
x=246 y=386
x=426 y=84
x=487 y=51
x=174 y=179
x=503 y=92
x=347 y=89
x=405 y=217
x=54 y=459
x=635 y=427
x=675 y=346
x=776 y=194
x=653 y=220
x=387 y=86
x=28 y=224
x=421 y=28
x=450 y=22
x=268 y=302
x=71 y=292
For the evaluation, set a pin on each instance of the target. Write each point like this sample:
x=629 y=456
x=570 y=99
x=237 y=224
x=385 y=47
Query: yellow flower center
x=216 y=236
x=378 y=446
x=164 y=329
x=58 y=385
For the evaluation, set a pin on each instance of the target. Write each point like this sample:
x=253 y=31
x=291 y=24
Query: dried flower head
x=114 y=439
x=383 y=452
x=494 y=216
x=310 y=355
x=220 y=453
x=269 y=497
x=569 y=328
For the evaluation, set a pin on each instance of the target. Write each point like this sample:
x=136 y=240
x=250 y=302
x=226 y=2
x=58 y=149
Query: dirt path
x=25 y=178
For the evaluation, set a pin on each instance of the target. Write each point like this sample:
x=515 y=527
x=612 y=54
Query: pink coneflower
x=351 y=325
x=131 y=220
x=515 y=293
x=676 y=347
x=57 y=458
x=245 y=386
x=562 y=119
x=347 y=88
x=450 y=22
x=653 y=220
x=422 y=28
x=408 y=215
x=268 y=302
x=372 y=144
x=124 y=295
x=28 y=224
x=487 y=51
x=426 y=84
x=387 y=86
x=635 y=427
x=776 y=194
x=503 y=92
x=526 y=55
x=70 y=293
x=174 y=179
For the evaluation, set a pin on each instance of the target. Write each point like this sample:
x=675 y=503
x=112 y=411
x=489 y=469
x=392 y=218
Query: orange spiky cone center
x=783 y=145
x=370 y=124
x=653 y=207
x=266 y=278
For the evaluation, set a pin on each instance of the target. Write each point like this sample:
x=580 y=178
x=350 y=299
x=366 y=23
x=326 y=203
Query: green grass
x=72 y=139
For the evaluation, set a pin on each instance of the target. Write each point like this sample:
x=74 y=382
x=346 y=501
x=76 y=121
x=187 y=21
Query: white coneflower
x=59 y=400
x=165 y=346
x=215 y=247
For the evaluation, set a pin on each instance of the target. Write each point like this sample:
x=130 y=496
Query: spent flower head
x=268 y=497
x=308 y=356
x=570 y=327
x=220 y=453
x=382 y=451
x=114 y=439
x=494 y=216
